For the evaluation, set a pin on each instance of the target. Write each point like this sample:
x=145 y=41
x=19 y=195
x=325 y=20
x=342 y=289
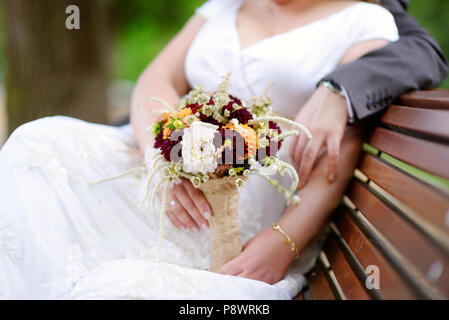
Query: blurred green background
x=141 y=20
x=434 y=16
x=143 y=28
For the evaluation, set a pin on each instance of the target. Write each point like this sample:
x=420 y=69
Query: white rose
x=198 y=150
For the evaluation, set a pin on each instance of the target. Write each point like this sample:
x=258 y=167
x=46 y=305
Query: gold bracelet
x=288 y=239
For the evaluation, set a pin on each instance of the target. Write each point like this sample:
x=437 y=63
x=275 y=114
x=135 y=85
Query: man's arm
x=415 y=61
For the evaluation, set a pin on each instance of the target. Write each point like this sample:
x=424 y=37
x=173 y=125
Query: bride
x=63 y=238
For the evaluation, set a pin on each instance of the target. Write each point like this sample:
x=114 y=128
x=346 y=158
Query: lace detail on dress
x=8 y=241
x=80 y=259
x=184 y=248
x=55 y=145
x=75 y=267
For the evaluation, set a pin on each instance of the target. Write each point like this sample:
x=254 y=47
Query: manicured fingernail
x=206 y=215
x=183 y=228
x=195 y=229
x=204 y=226
x=331 y=177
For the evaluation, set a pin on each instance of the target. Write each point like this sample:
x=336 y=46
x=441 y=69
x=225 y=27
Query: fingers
x=175 y=221
x=199 y=199
x=308 y=160
x=333 y=154
x=189 y=206
x=191 y=210
x=299 y=151
x=294 y=143
x=179 y=217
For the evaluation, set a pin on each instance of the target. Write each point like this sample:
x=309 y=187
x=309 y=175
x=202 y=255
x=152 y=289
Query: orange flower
x=183 y=113
x=250 y=136
x=165 y=116
x=166 y=132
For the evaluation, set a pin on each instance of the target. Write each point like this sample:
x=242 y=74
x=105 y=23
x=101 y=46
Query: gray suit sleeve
x=415 y=61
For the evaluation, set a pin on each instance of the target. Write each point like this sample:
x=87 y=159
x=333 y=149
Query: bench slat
x=390 y=218
x=429 y=156
x=414 y=246
x=299 y=296
x=431 y=203
x=346 y=277
x=423 y=289
x=318 y=285
x=429 y=99
x=392 y=286
x=432 y=123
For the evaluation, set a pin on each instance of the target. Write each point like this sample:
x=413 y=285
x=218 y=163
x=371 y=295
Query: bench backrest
x=393 y=224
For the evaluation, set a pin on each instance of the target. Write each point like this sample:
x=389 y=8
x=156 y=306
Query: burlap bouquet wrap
x=223 y=197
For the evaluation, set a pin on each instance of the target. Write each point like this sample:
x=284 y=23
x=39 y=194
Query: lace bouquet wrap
x=215 y=141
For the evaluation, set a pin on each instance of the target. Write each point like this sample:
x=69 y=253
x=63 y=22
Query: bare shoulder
x=251 y=6
x=333 y=6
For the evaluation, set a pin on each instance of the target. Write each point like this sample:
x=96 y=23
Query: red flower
x=242 y=114
x=210 y=119
x=194 y=107
x=166 y=145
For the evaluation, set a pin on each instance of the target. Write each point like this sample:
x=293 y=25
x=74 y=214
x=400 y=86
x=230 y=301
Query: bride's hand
x=266 y=257
x=187 y=208
x=325 y=114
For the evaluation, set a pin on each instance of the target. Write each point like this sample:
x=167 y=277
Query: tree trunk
x=51 y=70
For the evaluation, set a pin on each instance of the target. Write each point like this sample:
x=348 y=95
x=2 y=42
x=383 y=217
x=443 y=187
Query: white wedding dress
x=62 y=238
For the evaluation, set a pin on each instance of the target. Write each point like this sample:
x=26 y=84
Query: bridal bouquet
x=216 y=140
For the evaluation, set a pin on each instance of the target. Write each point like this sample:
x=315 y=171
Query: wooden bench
x=393 y=221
